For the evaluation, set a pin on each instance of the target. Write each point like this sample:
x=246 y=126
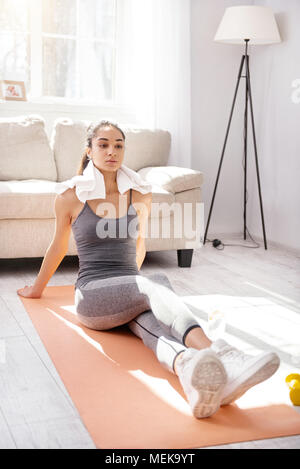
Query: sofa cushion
x=25 y=151
x=173 y=178
x=31 y=198
x=68 y=141
x=143 y=147
x=35 y=198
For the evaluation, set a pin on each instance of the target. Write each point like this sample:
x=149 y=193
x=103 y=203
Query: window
x=62 y=49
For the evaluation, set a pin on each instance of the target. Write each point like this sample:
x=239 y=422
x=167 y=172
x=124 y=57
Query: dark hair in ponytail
x=91 y=133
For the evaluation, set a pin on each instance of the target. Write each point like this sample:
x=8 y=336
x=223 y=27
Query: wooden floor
x=257 y=292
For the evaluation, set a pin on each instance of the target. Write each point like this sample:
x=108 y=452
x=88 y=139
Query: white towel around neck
x=91 y=185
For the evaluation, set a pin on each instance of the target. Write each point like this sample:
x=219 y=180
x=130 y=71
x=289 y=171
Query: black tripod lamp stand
x=244 y=25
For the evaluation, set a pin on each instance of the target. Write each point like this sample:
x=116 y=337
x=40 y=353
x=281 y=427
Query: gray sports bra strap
x=130 y=196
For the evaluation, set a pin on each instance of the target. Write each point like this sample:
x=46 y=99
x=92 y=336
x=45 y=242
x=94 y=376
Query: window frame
x=36 y=51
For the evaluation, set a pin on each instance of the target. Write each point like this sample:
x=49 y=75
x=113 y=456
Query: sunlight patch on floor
x=70 y=308
x=260 y=318
x=162 y=389
x=81 y=332
x=272 y=293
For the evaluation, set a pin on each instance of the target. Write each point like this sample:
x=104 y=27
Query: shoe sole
x=208 y=380
x=266 y=369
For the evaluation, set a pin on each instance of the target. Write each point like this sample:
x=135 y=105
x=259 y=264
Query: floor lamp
x=245 y=25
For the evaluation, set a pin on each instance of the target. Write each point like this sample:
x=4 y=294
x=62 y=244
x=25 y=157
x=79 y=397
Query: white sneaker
x=203 y=378
x=243 y=371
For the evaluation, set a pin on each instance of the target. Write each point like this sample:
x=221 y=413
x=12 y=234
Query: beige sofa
x=31 y=164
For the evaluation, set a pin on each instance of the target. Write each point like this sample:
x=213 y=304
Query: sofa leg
x=184 y=257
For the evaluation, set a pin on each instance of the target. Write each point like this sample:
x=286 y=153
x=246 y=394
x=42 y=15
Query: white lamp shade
x=256 y=23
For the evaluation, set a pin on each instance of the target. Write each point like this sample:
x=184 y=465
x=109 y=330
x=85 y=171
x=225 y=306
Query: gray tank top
x=106 y=246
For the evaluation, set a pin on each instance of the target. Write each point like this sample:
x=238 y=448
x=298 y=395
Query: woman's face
x=108 y=149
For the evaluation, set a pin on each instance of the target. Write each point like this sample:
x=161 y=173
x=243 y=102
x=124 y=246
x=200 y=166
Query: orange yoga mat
x=126 y=399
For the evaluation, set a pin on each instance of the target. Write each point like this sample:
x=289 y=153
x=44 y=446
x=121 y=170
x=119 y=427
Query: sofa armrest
x=172 y=178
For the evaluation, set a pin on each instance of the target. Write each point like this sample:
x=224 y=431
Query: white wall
x=214 y=74
x=278 y=128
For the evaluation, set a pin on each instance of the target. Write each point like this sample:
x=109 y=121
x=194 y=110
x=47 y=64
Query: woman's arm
x=143 y=211
x=56 y=250
x=140 y=253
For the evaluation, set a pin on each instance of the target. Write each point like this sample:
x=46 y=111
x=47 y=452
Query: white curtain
x=154 y=69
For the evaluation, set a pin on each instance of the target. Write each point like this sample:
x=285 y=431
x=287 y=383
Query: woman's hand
x=29 y=292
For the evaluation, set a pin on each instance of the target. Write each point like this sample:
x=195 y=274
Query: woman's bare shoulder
x=139 y=197
x=143 y=201
x=68 y=198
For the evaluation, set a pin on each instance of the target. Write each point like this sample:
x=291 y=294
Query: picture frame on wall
x=12 y=90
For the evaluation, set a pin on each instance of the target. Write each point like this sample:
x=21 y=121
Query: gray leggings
x=147 y=304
